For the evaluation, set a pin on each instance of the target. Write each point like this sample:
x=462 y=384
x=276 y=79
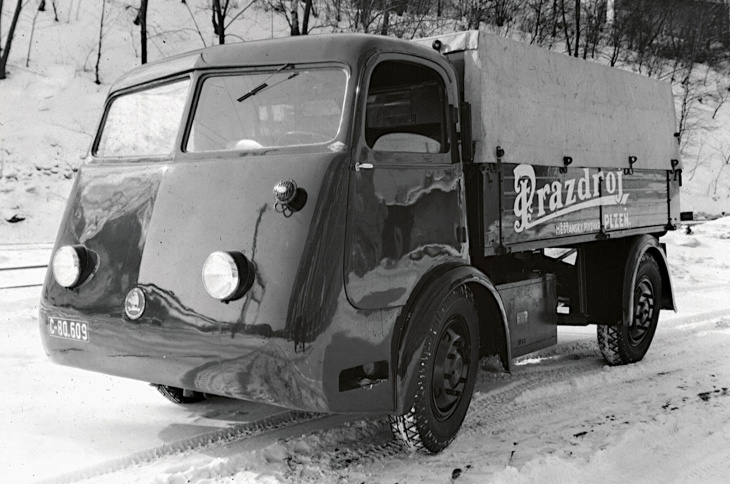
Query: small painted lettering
x=580 y=227
x=612 y=221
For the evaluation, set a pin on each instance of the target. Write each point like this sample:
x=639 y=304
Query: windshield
x=144 y=123
x=282 y=108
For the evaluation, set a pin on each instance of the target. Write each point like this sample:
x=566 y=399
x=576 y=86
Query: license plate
x=68 y=329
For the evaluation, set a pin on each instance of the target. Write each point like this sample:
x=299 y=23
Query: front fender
x=423 y=303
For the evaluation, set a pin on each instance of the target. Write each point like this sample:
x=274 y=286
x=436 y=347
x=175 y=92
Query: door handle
x=363 y=166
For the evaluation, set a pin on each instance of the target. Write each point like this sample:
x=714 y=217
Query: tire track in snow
x=380 y=446
x=530 y=396
x=239 y=432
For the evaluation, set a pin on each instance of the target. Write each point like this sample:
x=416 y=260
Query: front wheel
x=623 y=344
x=446 y=376
x=180 y=395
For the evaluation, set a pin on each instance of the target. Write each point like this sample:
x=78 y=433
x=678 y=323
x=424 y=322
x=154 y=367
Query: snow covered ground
x=562 y=416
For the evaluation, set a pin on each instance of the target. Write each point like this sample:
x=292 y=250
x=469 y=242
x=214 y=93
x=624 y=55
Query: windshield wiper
x=265 y=84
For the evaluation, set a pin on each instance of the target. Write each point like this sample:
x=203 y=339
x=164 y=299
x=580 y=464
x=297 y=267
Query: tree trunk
x=577 y=27
x=366 y=7
x=555 y=23
x=386 y=22
x=294 y=12
x=101 y=35
x=219 y=18
x=1 y=28
x=307 y=14
x=565 y=28
x=197 y=28
x=41 y=8
x=9 y=41
x=142 y=16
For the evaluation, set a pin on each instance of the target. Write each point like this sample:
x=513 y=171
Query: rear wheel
x=180 y=395
x=446 y=376
x=622 y=344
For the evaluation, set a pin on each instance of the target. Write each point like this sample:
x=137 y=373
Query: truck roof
x=348 y=48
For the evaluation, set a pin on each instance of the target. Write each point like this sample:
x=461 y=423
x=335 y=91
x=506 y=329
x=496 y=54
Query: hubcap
x=451 y=367
x=643 y=310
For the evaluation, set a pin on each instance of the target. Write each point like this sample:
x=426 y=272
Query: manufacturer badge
x=134 y=303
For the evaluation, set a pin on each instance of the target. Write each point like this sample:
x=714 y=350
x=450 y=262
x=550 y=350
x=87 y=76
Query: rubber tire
x=621 y=344
x=179 y=395
x=426 y=428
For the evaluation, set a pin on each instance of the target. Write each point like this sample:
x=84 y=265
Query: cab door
x=406 y=211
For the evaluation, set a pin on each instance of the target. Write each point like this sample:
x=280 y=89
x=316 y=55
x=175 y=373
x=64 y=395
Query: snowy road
x=562 y=416
x=23 y=265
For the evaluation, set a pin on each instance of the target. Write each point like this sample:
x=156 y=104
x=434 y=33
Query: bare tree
x=535 y=20
x=577 y=28
x=723 y=92
x=294 y=24
x=219 y=19
x=101 y=36
x=723 y=151
x=399 y=18
x=9 y=40
x=300 y=24
x=223 y=16
x=41 y=8
x=141 y=21
x=616 y=34
x=595 y=16
x=197 y=28
x=566 y=30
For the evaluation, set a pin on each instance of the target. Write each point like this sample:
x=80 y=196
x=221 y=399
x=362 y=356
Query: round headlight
x=221 y=275
x=67 y=265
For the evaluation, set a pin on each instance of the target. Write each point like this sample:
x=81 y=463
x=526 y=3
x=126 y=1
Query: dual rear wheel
x=622 y=344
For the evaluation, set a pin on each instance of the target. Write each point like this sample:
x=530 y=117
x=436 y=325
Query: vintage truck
x=348 y=223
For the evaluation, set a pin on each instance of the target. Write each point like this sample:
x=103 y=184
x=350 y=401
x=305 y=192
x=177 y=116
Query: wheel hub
x=451 y=368
x=644 y=304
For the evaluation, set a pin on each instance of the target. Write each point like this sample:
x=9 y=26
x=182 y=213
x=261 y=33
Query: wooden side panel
x=645 y=206
x=542 y=206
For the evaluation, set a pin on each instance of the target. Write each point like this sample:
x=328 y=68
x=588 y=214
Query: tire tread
x=412 y=428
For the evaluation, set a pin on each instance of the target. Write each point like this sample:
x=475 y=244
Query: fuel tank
x=152 y=225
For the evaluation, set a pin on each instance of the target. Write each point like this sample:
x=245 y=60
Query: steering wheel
x=301 y=137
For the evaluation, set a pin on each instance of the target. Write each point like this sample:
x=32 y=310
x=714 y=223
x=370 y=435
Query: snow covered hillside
x=49 y=109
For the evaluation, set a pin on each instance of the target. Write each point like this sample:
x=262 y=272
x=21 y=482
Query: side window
x=406 y=109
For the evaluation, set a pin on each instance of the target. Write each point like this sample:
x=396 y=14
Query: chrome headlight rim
x=72 y=265
x=235 y=270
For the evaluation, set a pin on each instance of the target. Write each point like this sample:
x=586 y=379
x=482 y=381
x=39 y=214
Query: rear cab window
x=406 y=109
